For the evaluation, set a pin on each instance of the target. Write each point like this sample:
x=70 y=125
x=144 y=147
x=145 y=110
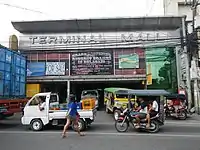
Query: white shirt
x=155 y=106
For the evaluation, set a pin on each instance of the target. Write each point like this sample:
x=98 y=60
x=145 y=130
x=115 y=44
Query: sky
x=29 y=10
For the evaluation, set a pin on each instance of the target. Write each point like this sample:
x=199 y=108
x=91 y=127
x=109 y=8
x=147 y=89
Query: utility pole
x=194 y=8
x=194 y=62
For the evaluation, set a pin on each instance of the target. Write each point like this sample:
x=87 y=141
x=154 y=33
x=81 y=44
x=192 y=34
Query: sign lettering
x=96 y=38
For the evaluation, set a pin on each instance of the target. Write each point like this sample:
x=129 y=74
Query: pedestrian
x=72 y=117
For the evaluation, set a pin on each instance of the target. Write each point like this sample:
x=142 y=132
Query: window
x=124 y=96
x=92 y=93
x=53 y=98
x=37 y=100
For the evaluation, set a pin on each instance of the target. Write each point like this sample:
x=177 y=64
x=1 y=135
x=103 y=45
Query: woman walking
x=72 y=116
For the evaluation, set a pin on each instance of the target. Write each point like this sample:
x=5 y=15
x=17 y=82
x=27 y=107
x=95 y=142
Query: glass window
x=124 y=96
x=53 y=98
x=37 y=100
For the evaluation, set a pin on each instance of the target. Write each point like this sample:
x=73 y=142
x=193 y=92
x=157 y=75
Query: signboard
x=92 y=63
x=36 y=69
x=149 y=75
x=130 y=62
x=95 y=40
x=55 y=68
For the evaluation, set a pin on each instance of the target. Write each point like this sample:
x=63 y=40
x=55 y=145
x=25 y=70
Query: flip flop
x=81 y=134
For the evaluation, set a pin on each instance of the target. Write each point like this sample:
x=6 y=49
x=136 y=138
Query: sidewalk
x=194 y=117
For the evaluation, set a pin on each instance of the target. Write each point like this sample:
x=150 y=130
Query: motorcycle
x=126 y=118
x=180 y=114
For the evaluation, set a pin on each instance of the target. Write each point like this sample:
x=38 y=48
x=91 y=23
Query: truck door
x=32 y=109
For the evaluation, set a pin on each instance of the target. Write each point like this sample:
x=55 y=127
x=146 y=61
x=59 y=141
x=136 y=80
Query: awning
x=99 y=25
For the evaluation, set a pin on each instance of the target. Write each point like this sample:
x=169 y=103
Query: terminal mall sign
x=98 y=39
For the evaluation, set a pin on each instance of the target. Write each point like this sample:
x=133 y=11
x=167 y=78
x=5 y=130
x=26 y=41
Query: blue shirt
x=73 y=107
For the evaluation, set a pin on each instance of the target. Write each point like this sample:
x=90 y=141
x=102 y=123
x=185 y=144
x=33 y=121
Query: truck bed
x=61 y=114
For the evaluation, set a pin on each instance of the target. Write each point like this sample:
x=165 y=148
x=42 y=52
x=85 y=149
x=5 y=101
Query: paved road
x=175 y=135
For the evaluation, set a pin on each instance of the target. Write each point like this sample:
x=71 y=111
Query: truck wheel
x=36 y=125
x=1 y=116
x=81 y=125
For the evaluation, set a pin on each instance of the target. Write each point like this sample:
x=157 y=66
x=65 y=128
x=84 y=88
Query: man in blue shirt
x=72 y=116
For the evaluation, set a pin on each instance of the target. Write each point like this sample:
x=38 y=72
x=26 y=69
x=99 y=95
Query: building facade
x=135 y=53
x=182 y=8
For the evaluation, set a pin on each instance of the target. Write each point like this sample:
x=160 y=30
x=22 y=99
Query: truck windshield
x=93 y=93
x=124 y=96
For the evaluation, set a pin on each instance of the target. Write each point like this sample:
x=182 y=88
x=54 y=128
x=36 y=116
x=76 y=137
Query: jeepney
x=116 y=103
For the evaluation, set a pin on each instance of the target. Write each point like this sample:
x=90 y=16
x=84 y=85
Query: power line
x=22 y=8
x=151 y=8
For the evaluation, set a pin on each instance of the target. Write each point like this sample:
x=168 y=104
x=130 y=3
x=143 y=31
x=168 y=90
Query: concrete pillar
x=68 y=90
x=187 y=68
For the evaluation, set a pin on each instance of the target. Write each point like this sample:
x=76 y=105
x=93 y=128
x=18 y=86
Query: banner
x=130 y=62
x=55 y=68
x=36 y=69
x=92 y=63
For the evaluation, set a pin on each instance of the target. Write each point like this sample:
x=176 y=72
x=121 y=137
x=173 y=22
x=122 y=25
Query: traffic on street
x=176 y=135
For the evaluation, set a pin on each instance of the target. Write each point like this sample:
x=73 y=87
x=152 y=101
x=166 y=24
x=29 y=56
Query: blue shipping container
x=12 y=74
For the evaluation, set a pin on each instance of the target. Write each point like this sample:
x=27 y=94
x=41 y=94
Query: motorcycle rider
x=143 y=111
x=176 y=104
x=152 y=112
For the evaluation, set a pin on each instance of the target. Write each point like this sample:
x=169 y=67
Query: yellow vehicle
x=116 y=103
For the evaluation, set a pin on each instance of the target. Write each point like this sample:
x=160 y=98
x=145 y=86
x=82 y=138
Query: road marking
x=166 y=123
x=107 y=133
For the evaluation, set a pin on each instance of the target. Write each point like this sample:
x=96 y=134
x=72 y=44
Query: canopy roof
x=98 y=25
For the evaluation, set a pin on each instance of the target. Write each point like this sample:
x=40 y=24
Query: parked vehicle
x=3 y=112
x=179 y=110
x=126 y=118
x=32 y=89
x=12 y=81
x=115 y=102
x=37 y=119
x=91 y=94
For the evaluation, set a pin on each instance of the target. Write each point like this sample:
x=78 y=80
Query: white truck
x=37 y=119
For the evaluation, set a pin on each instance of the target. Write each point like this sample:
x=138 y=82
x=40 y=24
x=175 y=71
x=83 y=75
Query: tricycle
x=128 y=116
x=176 y=106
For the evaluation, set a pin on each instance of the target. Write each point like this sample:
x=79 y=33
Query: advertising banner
x=130 y=62
x=55 y=68
x=92 y=63
x=36 y=69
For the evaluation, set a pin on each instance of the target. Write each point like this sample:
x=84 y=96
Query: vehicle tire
x=81 y=125
x=116 y=114
x=154 y=127
x=183 y=115
x=36 y=125
x=1 y=116
x=122 y=128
